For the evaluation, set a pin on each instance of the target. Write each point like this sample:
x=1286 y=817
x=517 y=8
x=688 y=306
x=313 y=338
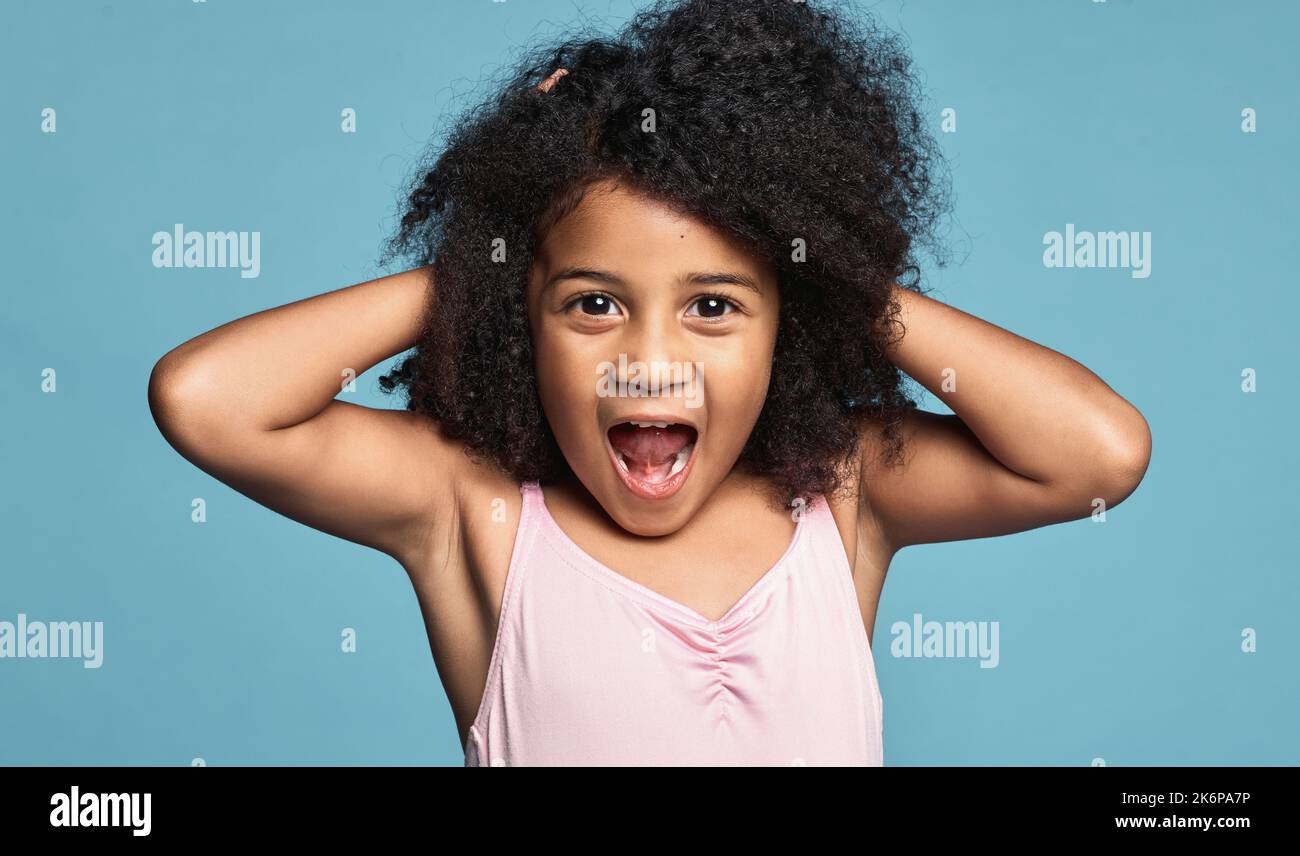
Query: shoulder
x=469 y=500
x=885 y=443
x=853 y=507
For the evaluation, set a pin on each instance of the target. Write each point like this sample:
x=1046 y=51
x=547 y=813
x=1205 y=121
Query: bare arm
x=252 y=403
x=1035 y=439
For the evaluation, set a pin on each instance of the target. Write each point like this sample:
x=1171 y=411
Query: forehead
x=616 y=224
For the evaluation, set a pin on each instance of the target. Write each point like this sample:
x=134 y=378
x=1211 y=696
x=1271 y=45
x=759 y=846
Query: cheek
x=736 y=384
x=746 y=361
x=567 y=388
x=565 y=375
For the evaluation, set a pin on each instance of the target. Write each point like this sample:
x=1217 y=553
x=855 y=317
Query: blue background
x=1119 y=641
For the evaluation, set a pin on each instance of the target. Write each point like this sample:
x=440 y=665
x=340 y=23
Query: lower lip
x=648 y=490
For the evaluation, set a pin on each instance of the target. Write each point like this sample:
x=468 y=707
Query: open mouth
x=652 y=457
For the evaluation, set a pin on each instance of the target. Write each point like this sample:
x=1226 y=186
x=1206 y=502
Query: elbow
x=178 y=397
x=163 y=395
x=165 y=383
x=1124 y=454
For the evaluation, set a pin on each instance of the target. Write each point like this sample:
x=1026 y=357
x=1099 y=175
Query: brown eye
x=595 y=304
x=712 y=306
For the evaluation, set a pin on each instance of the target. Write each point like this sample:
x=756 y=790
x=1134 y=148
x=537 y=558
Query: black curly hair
x=784 y=124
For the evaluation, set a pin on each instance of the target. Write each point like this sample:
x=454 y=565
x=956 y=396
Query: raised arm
x=252 y=403
x=1036 y=438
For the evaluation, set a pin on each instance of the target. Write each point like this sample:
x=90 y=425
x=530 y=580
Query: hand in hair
x=545 y=85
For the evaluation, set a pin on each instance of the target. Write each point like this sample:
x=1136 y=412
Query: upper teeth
x=651 y=424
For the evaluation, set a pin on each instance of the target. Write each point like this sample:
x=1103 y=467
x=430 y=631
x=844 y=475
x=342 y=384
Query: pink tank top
x=592 y=668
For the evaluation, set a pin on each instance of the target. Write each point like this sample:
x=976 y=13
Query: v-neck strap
x=625 y=584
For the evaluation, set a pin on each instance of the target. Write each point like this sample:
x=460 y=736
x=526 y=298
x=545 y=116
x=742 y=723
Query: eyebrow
x=693 y=278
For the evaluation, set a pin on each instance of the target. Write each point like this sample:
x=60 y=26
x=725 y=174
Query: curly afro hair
x=793 y=128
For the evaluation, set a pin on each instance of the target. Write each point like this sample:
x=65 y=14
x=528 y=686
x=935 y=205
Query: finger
x=549 y=82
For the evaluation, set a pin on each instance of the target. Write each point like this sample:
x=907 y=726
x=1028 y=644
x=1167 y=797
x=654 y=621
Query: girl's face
x=653 y=337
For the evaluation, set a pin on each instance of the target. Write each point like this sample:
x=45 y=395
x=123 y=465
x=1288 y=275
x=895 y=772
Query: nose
x=657 y=347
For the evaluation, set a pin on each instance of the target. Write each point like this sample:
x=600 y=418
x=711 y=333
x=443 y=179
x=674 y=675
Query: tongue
x=650 y=452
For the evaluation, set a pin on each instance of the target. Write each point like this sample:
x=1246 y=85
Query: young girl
x=656 y=456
